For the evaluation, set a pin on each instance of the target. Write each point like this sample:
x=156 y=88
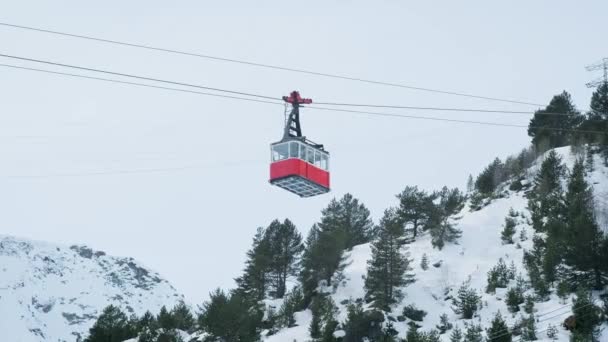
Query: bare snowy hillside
x=478 y=250
x=52 y=292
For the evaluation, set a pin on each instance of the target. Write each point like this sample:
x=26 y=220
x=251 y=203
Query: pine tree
x=349 y=216
x=589 y=159
x=489 y=178
x=552 y=332
x=415 y=209
x=529 y=304
x=585 y=238
x=323 y=317
x=523 y=236
x=111 y=326
x=563 y=290
x=498 y=276
x=528 y=329
x=443 y=221
x=515 y=297
x=292 y=303
x=231 y=317
x=413 y=334
x=546 y=199
x=344 y=224
x=597 y=121
x=316 y=307
x=424 y=262
x=387 y=271
x=169 y=336
x=182 y=317
x=470 y=184
x=554 y=247
x=147 y=321
x=587 y=316
x=467 y=301
x=255 y=280
x=165 y=319
x=498 y=331
x=311 y=263
x=361 y=325
x=285 y=248
x=549 y=131
x=508 y=231
x=444 y=324
x=456 y=335
x=473 y=333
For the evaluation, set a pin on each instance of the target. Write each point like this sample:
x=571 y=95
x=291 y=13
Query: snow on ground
x=52 y=292
x=478 y=250
x=297 y=333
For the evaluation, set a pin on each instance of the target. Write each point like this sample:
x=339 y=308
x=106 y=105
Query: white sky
x=194 y=225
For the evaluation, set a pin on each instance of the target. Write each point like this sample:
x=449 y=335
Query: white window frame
x=302 y=156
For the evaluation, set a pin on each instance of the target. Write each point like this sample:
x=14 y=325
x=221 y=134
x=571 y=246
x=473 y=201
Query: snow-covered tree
x=443 y=222
x=388 y=268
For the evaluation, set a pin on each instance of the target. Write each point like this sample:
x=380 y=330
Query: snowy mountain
x=478 y=250
x=51 y=292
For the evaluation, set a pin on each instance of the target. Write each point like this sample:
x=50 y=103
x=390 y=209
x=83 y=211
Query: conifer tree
x=443 y=221
x=585 y=238
x=424 y=262
x=231 y=317
x=349 y=216
x=587 y=316
x=473 y=333
x=165 y=319
x=597 y=121
x=515 y=297
x=255 y=279
x=499 y=276
x=311 y=263
x=344 y=224
x=549 y=131
x=444 y=324
x=508 y=231
x=413 y=334
x=467 y=301
x=552 y=332
x=529 y=304
x=528 y=329
x=599 y=108
x=415 y=209
x=546 y=200
x=498 y=331
x=111 y=326
x=182 y=317
x=292 y=303
x=285 y=248
x=589 y=159
x=387 y=271
x=456 y=335
x=323 y=317
x=489 y=178
x=554 y=247
x=470 y=184
x=361 y=325
x=147 y=322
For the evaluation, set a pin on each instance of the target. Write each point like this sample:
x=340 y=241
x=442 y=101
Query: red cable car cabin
x=298 y=165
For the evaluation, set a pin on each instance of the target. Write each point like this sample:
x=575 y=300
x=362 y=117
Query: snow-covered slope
x=52 y=292
x=478 y=250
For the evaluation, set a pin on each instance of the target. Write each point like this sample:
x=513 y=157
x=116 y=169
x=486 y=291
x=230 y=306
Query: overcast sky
x=194 y=224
